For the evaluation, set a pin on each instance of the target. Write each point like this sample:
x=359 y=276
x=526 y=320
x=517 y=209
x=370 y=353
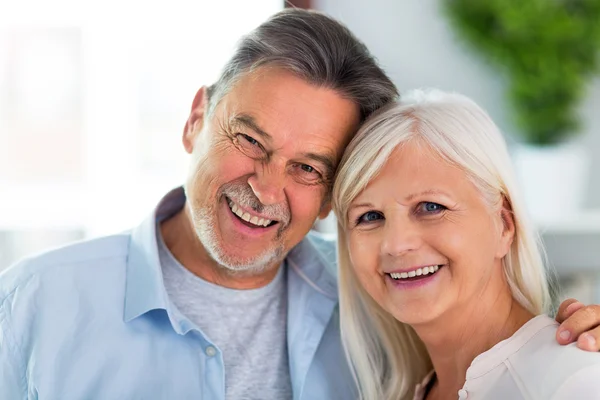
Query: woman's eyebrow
x=429 y=192
x=360 y=205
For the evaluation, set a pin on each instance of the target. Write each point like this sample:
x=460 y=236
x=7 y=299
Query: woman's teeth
x=417 y=272
x=254 y=220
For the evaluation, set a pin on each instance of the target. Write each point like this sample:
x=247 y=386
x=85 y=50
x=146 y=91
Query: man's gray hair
x=317 y=49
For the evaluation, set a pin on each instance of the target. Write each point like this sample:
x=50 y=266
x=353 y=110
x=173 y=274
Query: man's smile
x=252 y=218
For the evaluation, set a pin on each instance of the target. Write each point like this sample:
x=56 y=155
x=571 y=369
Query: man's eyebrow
x=249 y=122
x=326 y=160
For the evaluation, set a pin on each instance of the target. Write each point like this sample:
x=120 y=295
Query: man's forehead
x=278 y=89
x=276 y=128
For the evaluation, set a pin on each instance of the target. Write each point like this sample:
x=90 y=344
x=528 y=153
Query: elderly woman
x=443 y=289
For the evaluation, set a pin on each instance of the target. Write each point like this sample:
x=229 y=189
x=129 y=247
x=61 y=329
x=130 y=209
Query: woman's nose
x=400 y=236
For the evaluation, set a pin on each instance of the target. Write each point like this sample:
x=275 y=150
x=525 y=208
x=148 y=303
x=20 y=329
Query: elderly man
x=220 y=294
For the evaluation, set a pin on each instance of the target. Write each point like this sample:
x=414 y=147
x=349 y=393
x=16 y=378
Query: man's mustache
x=243 y=195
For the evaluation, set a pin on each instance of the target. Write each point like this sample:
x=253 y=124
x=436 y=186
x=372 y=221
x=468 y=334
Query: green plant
x=546 y=49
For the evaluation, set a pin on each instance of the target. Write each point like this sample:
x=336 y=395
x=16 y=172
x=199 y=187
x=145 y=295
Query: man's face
x=262 y=166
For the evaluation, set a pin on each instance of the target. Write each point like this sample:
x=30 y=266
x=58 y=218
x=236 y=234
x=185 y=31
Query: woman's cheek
x=362 y=253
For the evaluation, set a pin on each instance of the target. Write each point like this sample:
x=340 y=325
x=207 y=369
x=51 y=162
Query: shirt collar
x=314 y=259
x=145 y=290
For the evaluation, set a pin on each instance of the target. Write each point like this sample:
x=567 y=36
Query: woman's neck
x=460 y=335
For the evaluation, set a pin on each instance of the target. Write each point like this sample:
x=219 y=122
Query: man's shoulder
x=76 y=258
x=324 y=242
x=317 y=246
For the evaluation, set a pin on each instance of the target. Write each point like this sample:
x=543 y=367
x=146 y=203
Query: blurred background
x=94 y=96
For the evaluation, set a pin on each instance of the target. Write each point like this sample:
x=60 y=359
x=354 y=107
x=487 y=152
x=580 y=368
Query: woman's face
x=423 y=240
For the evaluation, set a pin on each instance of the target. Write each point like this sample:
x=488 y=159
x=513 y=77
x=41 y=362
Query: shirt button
x=210 y=351
x=462 y=394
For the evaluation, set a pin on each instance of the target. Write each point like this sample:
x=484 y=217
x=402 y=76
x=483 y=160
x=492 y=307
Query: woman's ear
x=195 y=121
x=508 y=228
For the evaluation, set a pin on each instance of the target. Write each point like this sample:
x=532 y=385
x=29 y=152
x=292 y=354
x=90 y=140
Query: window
x=93 y=99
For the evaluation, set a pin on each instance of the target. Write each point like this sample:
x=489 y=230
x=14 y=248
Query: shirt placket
x=214 y=373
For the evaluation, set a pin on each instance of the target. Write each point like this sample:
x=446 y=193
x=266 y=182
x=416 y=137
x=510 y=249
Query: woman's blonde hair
x=386 y=356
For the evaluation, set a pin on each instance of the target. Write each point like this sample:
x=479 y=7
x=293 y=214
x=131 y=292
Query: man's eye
x=249 y=146
x=307 y=168
x=369 y=216
x=250 y=139
x=307 y=174
x=428 y=207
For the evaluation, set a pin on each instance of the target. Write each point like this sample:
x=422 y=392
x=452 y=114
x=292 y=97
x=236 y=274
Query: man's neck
x=181 y=240
x=456 y=338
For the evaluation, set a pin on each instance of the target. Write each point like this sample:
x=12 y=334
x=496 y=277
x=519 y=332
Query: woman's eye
x=369 y=216
x=431 y=208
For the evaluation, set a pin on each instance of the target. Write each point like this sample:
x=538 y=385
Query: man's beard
x=204 y=219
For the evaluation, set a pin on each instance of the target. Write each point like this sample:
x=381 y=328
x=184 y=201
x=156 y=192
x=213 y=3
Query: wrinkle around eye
x=250 y=146
x=313 y=177
x=249 y=139
x=422 y=210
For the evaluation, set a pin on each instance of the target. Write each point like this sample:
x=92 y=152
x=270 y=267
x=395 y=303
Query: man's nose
x=400 y=236
x=268 y=183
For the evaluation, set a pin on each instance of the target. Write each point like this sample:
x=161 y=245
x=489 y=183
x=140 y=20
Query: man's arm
x=13 y=383
x=579 y=323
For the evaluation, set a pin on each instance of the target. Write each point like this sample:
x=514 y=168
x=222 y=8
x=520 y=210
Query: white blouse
x=530 y=365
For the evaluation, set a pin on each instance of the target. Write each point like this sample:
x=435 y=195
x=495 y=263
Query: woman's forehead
x=414 y=168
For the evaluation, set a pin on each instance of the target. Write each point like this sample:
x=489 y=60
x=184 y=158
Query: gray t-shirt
x=248 y=326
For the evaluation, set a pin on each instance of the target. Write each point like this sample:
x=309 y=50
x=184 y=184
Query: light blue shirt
x=93 y=321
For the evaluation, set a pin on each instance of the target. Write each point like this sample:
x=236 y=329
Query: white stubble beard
x=205 y=225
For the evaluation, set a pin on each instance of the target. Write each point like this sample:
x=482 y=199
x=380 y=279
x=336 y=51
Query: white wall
x=103 y=88
x=415 y=45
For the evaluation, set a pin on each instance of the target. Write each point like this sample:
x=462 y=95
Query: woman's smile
x=414 y=278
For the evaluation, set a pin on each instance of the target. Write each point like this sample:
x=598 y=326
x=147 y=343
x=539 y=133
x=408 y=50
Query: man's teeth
x=246 y=217
x=417 y=272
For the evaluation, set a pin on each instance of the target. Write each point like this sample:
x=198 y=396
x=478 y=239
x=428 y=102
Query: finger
x=584 y=319
x=567 y=308
x=590 y=340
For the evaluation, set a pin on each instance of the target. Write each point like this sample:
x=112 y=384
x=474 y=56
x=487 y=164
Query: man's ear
x=325 y=210
x=195 y=121
x=508 y=228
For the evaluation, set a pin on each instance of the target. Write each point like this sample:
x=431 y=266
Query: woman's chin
x=420 y=313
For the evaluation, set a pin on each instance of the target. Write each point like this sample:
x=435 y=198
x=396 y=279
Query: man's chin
x=250 y=264
x=236 y=257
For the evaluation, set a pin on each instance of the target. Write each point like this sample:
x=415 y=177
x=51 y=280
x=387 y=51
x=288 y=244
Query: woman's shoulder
x=550 y=370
